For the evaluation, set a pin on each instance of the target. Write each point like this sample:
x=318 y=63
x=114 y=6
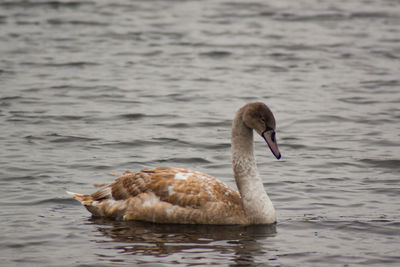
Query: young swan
x=175 y=195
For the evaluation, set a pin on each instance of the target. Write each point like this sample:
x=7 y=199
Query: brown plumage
x=175 y=195
x=166 y=195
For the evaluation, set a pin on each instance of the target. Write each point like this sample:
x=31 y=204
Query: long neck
x=256 y=203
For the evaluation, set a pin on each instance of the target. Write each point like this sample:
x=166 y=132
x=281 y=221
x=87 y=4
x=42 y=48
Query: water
x=89 y=88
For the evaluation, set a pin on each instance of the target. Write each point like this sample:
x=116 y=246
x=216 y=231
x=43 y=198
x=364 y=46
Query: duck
x=173 y=195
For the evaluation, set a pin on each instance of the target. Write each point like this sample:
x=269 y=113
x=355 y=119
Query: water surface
x=89 y=88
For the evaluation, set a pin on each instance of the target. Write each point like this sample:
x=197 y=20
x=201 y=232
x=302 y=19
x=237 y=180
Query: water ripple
x=391 y=164
x=94 y=87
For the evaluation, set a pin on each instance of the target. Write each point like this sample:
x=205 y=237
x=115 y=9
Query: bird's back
x=167 y=195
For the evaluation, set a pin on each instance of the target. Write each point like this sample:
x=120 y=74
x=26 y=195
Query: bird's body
x=176 y=195
x=167 y=195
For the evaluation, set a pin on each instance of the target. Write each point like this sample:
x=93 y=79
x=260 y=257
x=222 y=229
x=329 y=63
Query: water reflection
x=199 y=243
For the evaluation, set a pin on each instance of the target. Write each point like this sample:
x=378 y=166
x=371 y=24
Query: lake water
x=88 y=88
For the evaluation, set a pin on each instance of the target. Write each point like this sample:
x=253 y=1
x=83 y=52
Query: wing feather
x=169 y=195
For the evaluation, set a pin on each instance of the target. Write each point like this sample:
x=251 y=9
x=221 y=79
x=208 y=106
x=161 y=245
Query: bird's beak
x=269 y=137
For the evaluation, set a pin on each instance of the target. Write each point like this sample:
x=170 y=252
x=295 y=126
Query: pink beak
x=269 y=137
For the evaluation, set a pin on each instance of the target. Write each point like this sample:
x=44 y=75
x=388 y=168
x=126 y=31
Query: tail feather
x=101 y=204
x=86 y=200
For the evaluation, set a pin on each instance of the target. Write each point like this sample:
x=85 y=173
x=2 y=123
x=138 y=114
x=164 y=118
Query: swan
x=183 y=196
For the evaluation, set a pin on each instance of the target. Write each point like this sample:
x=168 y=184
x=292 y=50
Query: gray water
x=91 y=88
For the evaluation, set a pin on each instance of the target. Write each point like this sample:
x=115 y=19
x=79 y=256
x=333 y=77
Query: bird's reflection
x=241 y=243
